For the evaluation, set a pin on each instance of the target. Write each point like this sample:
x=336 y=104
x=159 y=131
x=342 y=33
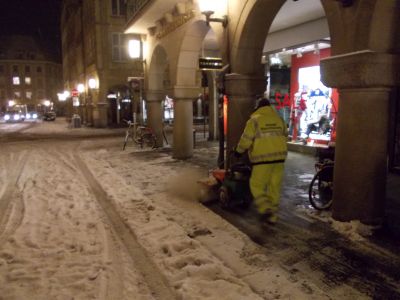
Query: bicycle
x=141 y=135
x=320 y=191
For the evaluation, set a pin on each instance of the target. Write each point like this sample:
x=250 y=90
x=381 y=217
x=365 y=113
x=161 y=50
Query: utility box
x=76 y=121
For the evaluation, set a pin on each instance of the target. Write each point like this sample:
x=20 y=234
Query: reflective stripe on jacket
x=264 y=136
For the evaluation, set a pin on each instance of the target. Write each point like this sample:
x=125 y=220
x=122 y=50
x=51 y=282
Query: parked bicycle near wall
x=320 y=191
x=141 y=135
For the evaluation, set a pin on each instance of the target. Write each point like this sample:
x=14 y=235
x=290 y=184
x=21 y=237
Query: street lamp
x=81 y=88
x=209 y=7
x=92 y=83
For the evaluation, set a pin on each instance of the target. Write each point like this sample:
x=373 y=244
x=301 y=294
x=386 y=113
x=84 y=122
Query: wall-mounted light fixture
x=92 y=83
x=80 y=87
x=208 y=8
x=135 y=49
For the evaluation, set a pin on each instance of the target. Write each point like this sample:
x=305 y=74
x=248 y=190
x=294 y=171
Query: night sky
x=39 y=18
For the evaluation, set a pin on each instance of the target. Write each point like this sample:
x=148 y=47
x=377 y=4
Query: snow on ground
x=57 y=242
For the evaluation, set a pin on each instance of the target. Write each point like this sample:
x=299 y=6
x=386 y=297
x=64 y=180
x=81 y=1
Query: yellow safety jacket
x=265 y=137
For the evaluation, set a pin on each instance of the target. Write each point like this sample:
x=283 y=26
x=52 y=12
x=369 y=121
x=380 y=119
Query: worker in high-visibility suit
x=265 y=137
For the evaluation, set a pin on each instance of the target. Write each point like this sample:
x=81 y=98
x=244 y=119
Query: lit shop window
x=27 y=80
x=28 y=95
x=16 y=80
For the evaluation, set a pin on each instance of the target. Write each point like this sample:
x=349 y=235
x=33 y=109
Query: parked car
x=14 y=116
x=49 y=116
x=32 y=115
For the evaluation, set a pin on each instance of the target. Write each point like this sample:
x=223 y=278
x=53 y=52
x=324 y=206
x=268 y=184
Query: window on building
x=118 y=7
x=28 y=95
x=2 y=94
x=16 y=80
x=27 y=69
x=15 y=69
x=27 y=80
x=119 y=47
x=39 y=69
x=1 y=69
x=17 y=94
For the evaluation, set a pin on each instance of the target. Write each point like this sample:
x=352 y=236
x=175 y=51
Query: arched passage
x=187 y=78
x=157 y=84
x=363 y=84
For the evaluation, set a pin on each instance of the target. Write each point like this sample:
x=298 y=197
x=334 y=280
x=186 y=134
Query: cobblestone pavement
x=369 y=264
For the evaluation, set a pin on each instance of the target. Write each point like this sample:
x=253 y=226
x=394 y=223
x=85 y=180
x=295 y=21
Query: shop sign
x=74 y=93
x=210 y=63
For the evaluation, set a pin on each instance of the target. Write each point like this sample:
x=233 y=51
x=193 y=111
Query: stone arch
x=157 y=82
x=187 y=60
x=385 y=27
x=158 y=75
x=251 y=30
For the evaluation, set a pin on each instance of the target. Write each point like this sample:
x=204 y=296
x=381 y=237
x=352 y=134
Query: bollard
x=194 y=138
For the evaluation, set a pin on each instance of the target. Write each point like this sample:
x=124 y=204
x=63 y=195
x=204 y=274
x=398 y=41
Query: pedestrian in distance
x=264 y=138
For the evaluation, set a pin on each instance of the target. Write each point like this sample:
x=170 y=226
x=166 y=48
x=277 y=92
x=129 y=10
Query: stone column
x=364 y=80
x=242 y=91
x=100 y=115
x=183 y=121
x=155 y=114
x=212 y=107
x=183 y=128
x=361 y=155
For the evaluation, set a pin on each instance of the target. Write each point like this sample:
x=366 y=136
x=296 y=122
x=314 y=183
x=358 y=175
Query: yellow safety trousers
x=265 y=186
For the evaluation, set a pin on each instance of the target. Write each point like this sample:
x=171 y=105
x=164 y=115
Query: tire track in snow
x=155 y=280
x=109 y=285
x=11 y=217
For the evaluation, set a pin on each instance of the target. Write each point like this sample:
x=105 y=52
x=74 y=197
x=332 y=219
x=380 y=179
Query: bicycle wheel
x=320 y=191
x=125 y=140
x=149 y=140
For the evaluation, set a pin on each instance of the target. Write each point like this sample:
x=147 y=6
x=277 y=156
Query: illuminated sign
x=210 y=63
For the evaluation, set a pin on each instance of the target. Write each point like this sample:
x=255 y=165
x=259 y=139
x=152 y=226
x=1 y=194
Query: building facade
x=29 y=74
x=96 y=65
x=363 y=66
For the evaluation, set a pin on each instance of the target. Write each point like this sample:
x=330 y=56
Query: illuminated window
x=118 y=7
x=16 y=80
x=27 y=80
x=17 y=94
x=28 y=95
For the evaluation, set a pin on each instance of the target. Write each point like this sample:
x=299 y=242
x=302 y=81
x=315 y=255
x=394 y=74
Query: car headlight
x=16 y=117
x=28 y=116
x=7 y=117
x=34 y=116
